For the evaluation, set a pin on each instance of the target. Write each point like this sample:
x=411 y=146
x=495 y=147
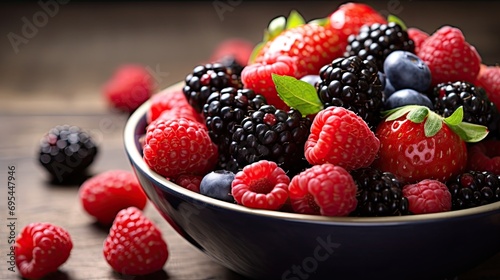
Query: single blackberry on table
x=65 y=152
x=379 y=194
x=223 y=112
x=375 y=42
x=272 y=134
x=474 y=188
x=352 y=83
x=478 y=109
x=205 y=79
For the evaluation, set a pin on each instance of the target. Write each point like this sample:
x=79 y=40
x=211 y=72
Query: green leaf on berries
x=398 y=21
x=255 y=52
x=470 y=132
x=320 y=21
x=433 y=124
x=275 y=27
x=397 y=113
x=456 y=117
x=294 y=19
x=418 y=114
x=297 y=94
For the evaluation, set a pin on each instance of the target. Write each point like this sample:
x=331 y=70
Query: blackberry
x=375 y=42
x=379 y=194
x=65 y=152
x=474 y=188
x=478 y=109
x=205 y=79
x=272 y=134
x=223 y=112
x=354 y=84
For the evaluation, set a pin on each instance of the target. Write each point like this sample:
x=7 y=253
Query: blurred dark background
x=76 y=45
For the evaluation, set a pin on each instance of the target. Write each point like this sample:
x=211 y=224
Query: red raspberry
x=427 y=196
x=489 y=79
x=134 y=245
x=324 y=189
x=449 y=57
x=105 y=194
x=262 y=184
x=171 y=104
x=239 y=48
x=418 y=36
x=190 y=182
x=340 y=137
x=129 y=87
x=258 y=77
x=176 y=147
x=484 y=156
x=41 y=248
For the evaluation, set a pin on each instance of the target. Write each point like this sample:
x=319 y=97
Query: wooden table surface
x=53 y=73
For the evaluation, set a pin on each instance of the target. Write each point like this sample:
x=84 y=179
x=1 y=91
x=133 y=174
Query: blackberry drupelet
x=272 y=134
x=234 y=69
x=354 y=84
x=478 y=109
x=205 y=79
x=474 y=188
x=65 y=152
x=375 y=42
x=379 y=194
x=223 y=112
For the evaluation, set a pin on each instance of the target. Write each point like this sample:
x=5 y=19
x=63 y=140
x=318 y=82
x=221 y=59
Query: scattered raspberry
x=261 y=185
x=190 y=182
x=181 y=146
x=324 y=189
x=129 y=87
x=340 y=137
x=171 y=104
x=258 y=77
x=449 y=57
x=239 y=48
x=418 y=36
x=484 y=156
x=41 y=248
x=135 y=245
x=428 y=196
x=489 y=79
x=105 y=194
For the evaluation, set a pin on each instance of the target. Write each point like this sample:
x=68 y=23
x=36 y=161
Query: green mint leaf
x=470 y=132
x=455 y=118
x=398 y=21
x=255 y=52
x=297 y=94
x=294 y=19
x=320 y=21
x=275 y=27
x=418 y=114
x=432 y=125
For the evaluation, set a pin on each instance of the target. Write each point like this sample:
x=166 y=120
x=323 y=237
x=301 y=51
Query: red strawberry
x=180 y=146
x=173 y=104
x=449 y=57
x=484 y=156
x=40 y=249
x=262 y=184
x=340 y=137
x=324 y=189
x=238 y=48
x=349 y=18
x=258 y=77
x=489 y=79
x=312 y=45
x=415 y=145
x=105 y=194
x=418 y=36
x=129 y=87
x=134 y=245
x=427 y=196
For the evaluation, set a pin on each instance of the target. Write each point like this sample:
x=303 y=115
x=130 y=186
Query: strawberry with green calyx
x=415 y=145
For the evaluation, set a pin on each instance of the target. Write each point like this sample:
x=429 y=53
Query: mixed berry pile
x=350 y=115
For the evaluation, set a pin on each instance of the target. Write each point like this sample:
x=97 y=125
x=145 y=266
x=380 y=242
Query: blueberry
x=311 y=79
x=405 y=70
x=407 y=97
x=217 y=184
x=388 y=89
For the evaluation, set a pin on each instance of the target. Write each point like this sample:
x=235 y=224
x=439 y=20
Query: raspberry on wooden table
x=134 y=245
x=41 y=248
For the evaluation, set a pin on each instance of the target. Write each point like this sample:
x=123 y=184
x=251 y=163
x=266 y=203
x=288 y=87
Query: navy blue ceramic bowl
x=276 y=245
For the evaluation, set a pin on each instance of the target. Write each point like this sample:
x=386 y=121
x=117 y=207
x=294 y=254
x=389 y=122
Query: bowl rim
x=129 y=138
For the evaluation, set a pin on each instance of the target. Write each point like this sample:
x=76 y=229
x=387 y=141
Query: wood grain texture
x=56 y=78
